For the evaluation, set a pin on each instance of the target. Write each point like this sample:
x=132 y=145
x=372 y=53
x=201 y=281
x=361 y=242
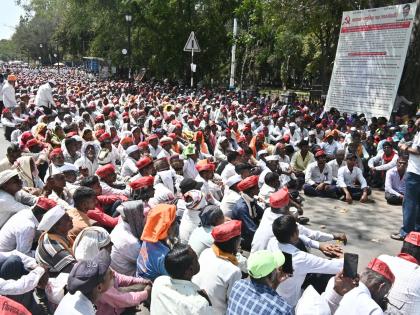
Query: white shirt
x=358 y=301
x=201 y=239
x=405 y=292
x=190 y=220
x=303 y=263
x=44 y=96
x=175 y=297
x=155 y=152
x=414 y=160
x=216 y=277
x=129 y=167
x=9 y=96
x=379 y=161
x=125 y=249
x=331 y=149
x=335 y=167
x=313 y=174
x=75 y=304
x=264 y=233
x=189 y=169
x=346 y=178
x=25 y=283
x=19 y=232
x=228 y=202
x=8 y=207
x=228 y=172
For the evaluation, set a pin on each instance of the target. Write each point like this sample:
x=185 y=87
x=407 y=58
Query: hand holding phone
x=350 y=265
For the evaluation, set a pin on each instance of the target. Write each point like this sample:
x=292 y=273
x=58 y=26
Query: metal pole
x=233 y=62
x=129 y=50
x=192 y=62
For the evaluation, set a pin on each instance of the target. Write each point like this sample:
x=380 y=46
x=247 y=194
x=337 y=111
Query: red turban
x=248 y=182
x=55 y=152
x=142 y=182
x=226 y=231
x=279 y=199
x=105 y=170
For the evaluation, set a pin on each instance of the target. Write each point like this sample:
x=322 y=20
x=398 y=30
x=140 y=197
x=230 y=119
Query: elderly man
x=12 y=154
x=54 y=248
x=176 y=294
x=258 y=294
x=404 y=296
x=369 y=297
x=129 y=168
x=87 y=280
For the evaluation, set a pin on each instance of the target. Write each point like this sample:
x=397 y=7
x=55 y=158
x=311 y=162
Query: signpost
x=192 y=46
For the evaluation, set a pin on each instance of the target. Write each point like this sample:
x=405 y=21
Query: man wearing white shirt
x=177 y=294
x=233 y=159
x=19 y=231
x=8 y=92
x=44 y=96
x=336 y=164
x=279 y=206
x=379 y=164
x=129 y=168
x=347 y=178
x=404 y=296
x=286 y=238
x=369 y=297
x=231 y=196
x=411 y=203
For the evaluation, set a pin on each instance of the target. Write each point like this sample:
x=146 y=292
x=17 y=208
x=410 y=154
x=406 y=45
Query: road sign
x=192 y=44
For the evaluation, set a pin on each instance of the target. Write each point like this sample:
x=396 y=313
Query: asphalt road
x=367 y=226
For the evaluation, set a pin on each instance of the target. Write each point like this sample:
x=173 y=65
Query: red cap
x=126 y=140
x=279 y=199
x=5 y=110
x=172 y=135
x=204 y=165
x=143 y=145
x=382 y=268
x=104 y=137
x=142 y=182
x=55 y=152
x=143 y=162
x=31 y=143
x=413 y=238
x=45 y=203
x=26 y=136
x=226 y=231
x=71 y=134
x=99 y=133
x=99 y=118
x=286 y=138
x=105 y=170
x=248 y=182
x=241 y=139
x=151 y=137
x=319 y=153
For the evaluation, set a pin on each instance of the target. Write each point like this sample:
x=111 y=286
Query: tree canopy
x=287 y=42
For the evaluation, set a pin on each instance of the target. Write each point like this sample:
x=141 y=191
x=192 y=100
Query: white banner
x=370 y=59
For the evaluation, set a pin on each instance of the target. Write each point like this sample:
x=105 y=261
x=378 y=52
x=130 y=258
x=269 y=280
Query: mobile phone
x=350 y=265
x=288 y=264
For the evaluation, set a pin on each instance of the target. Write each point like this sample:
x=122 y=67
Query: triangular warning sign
x=192 y=44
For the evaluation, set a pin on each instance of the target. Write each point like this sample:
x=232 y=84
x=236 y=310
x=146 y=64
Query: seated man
x=336 y=164
x=159 y=233
x=107 y=178
x=395 y=182
x=300 y=161
x=318 y=178
x=379 y=164
x=231 y=196
x=84 y=200
x=176 y=293
x=286 y=238
x=258 y=295
x=349 y=177
x=54 y=248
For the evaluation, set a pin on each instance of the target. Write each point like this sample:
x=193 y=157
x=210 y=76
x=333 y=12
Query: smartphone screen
x=350 y=265
x=288 y=263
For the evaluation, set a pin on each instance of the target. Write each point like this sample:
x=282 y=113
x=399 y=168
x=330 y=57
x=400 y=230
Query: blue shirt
x=250 y=298
x=151 y=260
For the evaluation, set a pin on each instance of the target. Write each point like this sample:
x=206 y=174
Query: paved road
x=367 y=226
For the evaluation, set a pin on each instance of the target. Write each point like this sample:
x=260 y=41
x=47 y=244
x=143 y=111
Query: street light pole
x=128 y=19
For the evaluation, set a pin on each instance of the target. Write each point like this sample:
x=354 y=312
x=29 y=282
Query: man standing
x=8 y=91
x=411 y=203
x=44 y=96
